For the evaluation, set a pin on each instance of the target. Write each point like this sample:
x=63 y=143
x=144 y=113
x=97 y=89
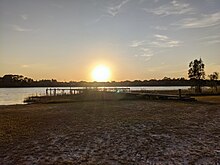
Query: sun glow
x=101 y=73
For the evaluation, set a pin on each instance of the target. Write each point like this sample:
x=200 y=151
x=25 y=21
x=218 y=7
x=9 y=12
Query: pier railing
x=75 y=91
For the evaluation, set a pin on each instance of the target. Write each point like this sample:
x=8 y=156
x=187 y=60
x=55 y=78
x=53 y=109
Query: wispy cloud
x=24 y=17
x=148 y=48
x=136 y=43
x=161 y=37
x=215 y=39
x=114 y=10
x=147 y=53
x=163 y=41
x=21 y=29
x=25 y=66
x=142 y=50
x=111 y=11
x=172 y=8
x=202 y=21
x=160 y=28
x=144 y=53
x=101 y=17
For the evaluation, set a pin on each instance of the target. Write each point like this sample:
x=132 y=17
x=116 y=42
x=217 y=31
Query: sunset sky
x=135 y=39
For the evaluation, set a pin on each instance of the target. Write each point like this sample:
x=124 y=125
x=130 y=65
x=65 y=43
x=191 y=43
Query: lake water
x=10 y=96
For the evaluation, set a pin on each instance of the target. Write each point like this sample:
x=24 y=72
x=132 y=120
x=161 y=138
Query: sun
x=101 y=73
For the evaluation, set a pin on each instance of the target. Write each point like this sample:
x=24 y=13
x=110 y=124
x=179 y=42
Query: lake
x=10 y=96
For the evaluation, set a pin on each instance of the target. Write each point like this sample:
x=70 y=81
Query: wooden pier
x=148 y=96
x=100 y=93
x=58 y=91
x=153 y=96
x=75 y=91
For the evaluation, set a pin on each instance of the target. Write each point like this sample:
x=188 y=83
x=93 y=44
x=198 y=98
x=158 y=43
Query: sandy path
x=112 y=132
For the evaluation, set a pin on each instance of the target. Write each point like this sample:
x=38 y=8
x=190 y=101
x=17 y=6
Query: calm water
x=17 y=95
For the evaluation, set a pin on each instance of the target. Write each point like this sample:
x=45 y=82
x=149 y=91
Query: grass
x=210 y=99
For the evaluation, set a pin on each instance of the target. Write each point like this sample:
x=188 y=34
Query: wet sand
x=111 y=132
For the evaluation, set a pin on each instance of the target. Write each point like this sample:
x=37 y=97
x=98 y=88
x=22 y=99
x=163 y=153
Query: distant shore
x=21 y=81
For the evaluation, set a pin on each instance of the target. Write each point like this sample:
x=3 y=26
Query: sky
x=136 y=39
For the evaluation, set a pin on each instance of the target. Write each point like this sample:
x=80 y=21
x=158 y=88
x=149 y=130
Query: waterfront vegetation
x=22 y=81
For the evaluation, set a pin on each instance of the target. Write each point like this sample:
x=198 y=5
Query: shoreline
x=19 y=96
x=205 y=98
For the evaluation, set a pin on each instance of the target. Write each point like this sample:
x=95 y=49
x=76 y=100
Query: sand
x=111 y=132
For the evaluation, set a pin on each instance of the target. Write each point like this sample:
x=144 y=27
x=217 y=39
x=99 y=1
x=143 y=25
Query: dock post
x=180 y=93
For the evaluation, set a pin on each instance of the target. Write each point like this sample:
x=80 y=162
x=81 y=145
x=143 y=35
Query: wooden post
x=180 y=93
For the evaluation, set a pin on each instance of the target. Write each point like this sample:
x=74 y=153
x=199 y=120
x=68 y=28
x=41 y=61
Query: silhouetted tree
x=166 y=78
x=213 y=77
x=196 y=72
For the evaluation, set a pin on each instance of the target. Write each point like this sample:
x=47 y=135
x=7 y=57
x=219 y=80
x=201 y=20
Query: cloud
x=147 y=53
x=202 y=21
x=160 y=28
x=162 y=41
x=20 y=29
x=101 y=17
x=25 y=66
x=141 y=1
x=172 y=8
x=136 y=43
x=215 y=39
x=148 y=48
x=161 y=37
x=114 y=10
x=144 y=53
x=141 y=50
x=111 y=11
x=24 y=17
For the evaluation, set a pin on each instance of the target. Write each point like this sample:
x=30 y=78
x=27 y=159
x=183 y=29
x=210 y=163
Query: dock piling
x=180 y=95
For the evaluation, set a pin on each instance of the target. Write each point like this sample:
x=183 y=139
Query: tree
x=166 y=78
x=213 y=77
x=196 y=72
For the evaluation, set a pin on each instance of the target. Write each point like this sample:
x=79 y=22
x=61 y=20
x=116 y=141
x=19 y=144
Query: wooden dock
x=95 y=94
x=59 y=91
x=153 y=96
x=125 y=90
x=75 y=91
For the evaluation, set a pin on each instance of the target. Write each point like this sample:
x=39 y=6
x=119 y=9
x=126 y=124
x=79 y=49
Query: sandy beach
x=111 y=132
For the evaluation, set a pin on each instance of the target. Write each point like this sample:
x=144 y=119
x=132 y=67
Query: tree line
x=11 y=80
